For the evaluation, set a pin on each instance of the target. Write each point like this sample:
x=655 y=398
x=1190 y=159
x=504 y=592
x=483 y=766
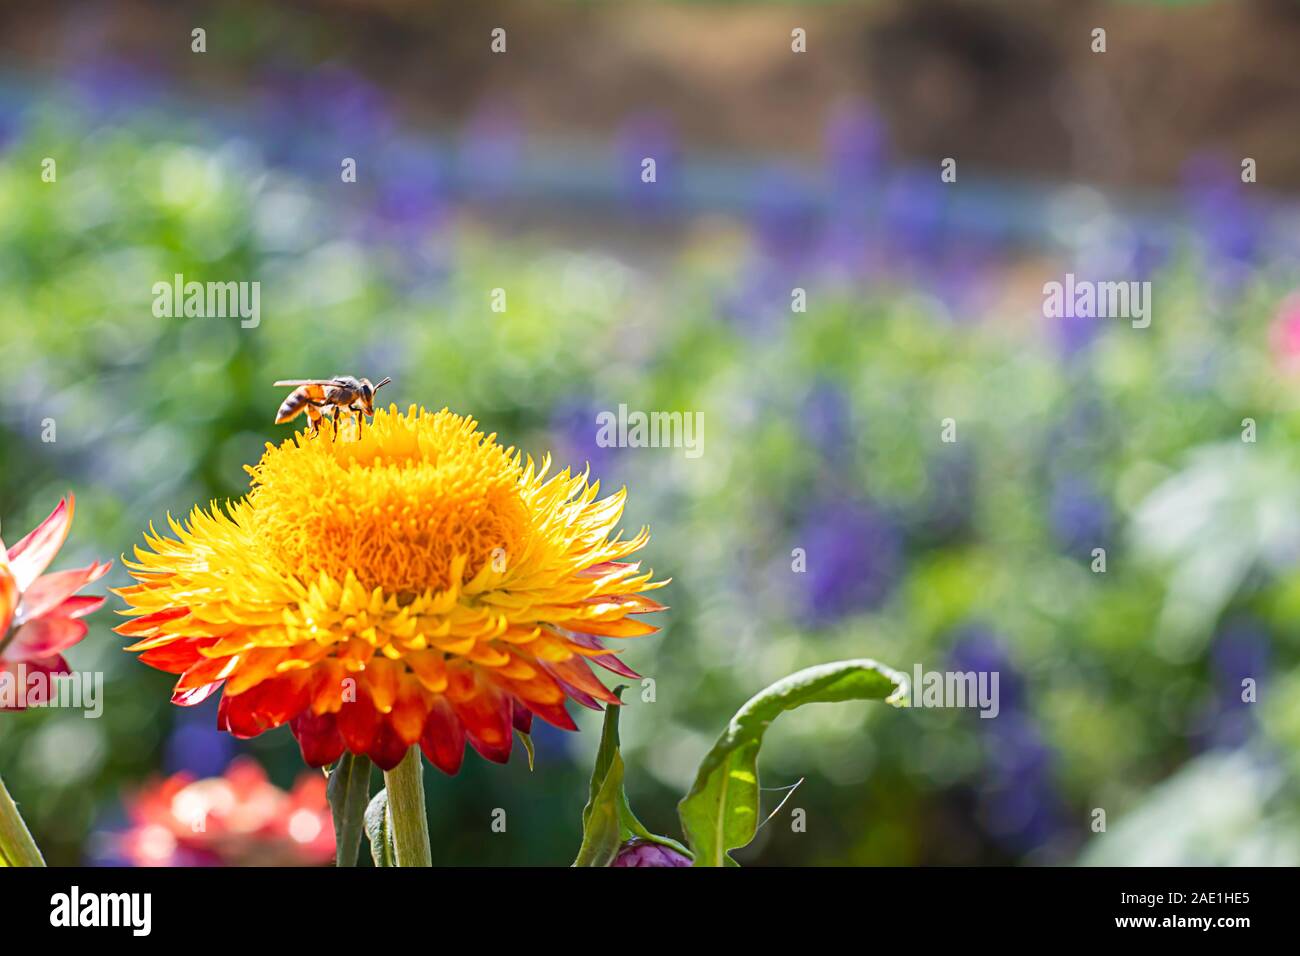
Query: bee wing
x=295 y=382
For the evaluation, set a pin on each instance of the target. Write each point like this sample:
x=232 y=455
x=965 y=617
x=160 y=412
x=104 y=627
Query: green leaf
x=349 y=791
x=601 y=833
x=17 y=848
x=379 y=831
x=721 y=811
x=605 y=754
x=527 y=741
x=607 y=820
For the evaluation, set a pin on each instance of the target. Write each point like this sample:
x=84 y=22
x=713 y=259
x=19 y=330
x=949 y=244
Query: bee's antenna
x=382 y=384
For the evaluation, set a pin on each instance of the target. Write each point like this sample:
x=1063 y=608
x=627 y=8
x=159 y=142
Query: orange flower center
x=395 y=507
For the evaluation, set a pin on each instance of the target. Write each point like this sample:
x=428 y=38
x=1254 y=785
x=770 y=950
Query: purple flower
x=196 y=746
x=963 y=280
x=786 y=219
x=1017 y=793
x=1080 y=517
x=856 y=146
x=574 y=428
x=491 y=149
x=106 y=86
x=1241 y=651
x=334 y=98
x=855 y=158
x=1229 y=225
x=1151 y=249
x=411 y=189
x=638 y=852
x=648 y=136
x=915 y=213
x=978 y=649
x=855 y=557
x=1074 y=333
x=826 y=417
x=11 y=122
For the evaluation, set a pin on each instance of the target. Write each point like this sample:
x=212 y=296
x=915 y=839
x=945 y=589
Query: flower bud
x=638 y=852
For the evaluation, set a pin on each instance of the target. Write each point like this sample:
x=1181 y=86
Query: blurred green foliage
x=1113 y=677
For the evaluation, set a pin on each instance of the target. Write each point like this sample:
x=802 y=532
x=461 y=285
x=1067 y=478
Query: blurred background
x=775 y=170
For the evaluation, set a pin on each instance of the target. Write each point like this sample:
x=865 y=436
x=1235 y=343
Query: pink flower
x=40 y=614
x=1285 y=334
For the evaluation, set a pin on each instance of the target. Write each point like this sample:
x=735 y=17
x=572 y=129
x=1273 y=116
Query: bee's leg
x=313 y=413
x=335 y=418
x=361 y=418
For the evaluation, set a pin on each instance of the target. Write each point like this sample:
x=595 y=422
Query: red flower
x=237 y=819
x=40 y=614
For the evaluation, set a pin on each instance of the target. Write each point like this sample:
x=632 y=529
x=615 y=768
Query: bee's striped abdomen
x=297 y=401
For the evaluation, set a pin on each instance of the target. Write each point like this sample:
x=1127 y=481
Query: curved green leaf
x=379 y=831
x=721 y=811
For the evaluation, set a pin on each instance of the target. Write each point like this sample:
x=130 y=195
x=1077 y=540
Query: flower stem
x=17 y=848
x=405 y=784
x=349 y=795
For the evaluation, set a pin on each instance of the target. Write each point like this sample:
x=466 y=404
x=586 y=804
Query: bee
x=341 y=393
